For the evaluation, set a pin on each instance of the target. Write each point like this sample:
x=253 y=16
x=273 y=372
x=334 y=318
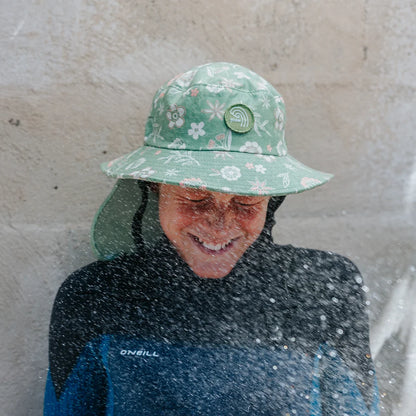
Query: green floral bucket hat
x=219 y=127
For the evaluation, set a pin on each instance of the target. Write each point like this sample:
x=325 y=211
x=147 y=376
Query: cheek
x=173 y=220
x=184 y=216
x=253 y=228
x=253 y=224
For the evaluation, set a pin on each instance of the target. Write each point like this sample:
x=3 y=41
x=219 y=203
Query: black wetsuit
x=286 y=332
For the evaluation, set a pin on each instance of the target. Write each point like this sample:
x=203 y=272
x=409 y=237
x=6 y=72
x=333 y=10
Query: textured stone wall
x=76 y=82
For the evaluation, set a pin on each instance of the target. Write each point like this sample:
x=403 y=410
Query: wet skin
x=210 y=230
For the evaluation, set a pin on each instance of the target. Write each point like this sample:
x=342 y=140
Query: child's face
x=210 y=230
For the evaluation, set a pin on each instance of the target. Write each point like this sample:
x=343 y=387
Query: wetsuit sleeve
x=85 y=392
x=335 y=392
x=349 y=328
x=73 y=367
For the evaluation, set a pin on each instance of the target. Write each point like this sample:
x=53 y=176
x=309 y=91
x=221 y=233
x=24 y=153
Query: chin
x=214 y=271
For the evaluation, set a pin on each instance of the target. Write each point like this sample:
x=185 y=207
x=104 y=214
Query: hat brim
x=222 y=171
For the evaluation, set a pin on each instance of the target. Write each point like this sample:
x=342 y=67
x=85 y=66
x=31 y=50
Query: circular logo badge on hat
x=239 y=118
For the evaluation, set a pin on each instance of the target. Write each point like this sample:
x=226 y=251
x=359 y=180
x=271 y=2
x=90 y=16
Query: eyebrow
x=249 y=197
x=194 y=193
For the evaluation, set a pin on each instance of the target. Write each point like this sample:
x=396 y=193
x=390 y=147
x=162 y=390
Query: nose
x=221 y=216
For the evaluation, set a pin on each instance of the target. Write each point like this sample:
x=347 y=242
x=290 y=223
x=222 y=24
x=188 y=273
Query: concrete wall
x=77 y=78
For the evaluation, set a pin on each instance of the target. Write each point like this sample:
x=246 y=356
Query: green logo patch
x=239 y=118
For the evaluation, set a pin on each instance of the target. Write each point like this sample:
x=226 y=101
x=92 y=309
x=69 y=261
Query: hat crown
x=218 y=107
x=218 y=127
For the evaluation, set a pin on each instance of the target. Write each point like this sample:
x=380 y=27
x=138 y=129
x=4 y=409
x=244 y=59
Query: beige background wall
x=77 y=78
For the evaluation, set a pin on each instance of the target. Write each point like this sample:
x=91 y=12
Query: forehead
x=193 y=193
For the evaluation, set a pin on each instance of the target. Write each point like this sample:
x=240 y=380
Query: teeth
x=214 y=247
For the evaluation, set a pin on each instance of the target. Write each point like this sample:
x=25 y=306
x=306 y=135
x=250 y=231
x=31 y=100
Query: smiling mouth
x=213 y=248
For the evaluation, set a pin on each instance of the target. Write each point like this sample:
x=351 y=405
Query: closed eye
x=242 y=204
x=247 y=203
x=197 y=200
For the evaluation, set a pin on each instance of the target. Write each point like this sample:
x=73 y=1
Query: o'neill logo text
x=139 y=353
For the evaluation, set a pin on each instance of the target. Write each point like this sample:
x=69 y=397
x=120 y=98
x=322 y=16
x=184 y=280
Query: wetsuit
x=286 y=332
